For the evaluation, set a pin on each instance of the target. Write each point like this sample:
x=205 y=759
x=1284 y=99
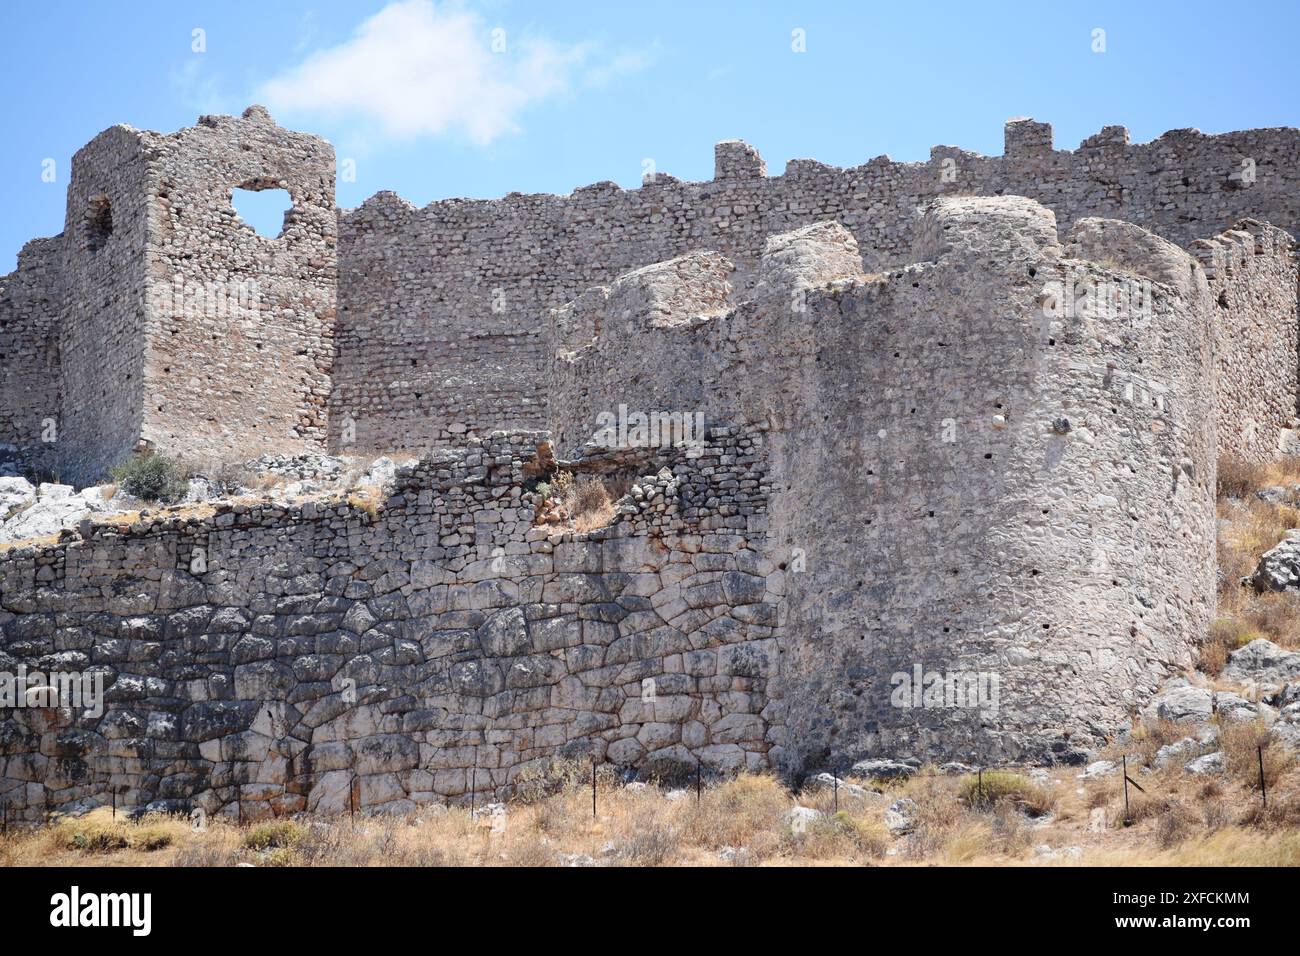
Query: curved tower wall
x=973 y=473
x=442 y=309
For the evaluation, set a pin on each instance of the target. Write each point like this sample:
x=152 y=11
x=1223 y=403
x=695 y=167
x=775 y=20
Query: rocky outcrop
x=1263 y=664
x=47 y=509
x=1279 y=568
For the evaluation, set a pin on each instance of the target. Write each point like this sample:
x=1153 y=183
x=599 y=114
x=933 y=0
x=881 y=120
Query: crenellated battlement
x=394 y=325
x=499 y=265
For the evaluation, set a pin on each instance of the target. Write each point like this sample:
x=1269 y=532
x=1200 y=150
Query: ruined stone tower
x=178 y=326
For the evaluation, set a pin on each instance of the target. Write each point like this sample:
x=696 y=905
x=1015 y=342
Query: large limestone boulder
x=15 y=493
x=1286 y=730
x=1181 y=701
x=52 y=508
x=900 y=817
x=882 y=769
x=1263 y=663
x=1211 y=763
x=1279 y=568
x=1188 y=748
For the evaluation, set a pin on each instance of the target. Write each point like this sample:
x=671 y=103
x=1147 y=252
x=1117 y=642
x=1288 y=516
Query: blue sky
x=415 y=94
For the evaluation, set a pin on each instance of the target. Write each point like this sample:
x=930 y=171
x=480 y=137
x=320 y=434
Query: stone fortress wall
x=240 y=340
x=163 y=320
x=440 y=644
x=986 y=448
x=441 y=308
x=970 y=482
x=30 y=300
x=1000 y=489
x=392 y=327
x=1252 y=278
x=103 y=325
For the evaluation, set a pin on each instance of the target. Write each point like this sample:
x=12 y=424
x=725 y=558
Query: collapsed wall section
x=31 y=298
x=441 y=308
x=267 y=658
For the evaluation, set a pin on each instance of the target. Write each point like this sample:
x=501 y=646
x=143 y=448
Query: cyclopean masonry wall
x=970 y=475
x=441 y=308
x=256 y=659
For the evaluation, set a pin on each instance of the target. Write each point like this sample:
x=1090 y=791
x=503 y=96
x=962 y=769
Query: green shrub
x=274 y=835
x=999 y=786
x=151 y=477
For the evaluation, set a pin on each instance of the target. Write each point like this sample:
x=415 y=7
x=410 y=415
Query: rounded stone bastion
x=992 y=470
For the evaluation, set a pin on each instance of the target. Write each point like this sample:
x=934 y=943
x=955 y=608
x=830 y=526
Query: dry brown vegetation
x=579 y=503
x=1249 y=526
x=367 y=498
x=1011 y=820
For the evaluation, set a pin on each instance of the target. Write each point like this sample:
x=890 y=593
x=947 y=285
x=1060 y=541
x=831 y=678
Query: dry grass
x=1228 y=847
x=1247 y=748
x=579 y=503
x=274 y=835
x=1249 y=526
x=997 y=787
x=1238 y=479
x=1145 y=739
x=43 y=541
x=1180 y=820
x=367 y=498
x=102 y=832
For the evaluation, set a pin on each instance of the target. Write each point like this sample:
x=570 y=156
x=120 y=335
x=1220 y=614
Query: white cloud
x=415 y=69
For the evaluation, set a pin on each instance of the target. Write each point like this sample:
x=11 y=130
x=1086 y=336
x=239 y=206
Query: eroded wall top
x=441 y=307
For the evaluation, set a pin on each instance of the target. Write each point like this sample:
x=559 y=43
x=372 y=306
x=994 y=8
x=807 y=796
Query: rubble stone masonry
x=440 y=308
x=962 y=416
x=30 y=300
